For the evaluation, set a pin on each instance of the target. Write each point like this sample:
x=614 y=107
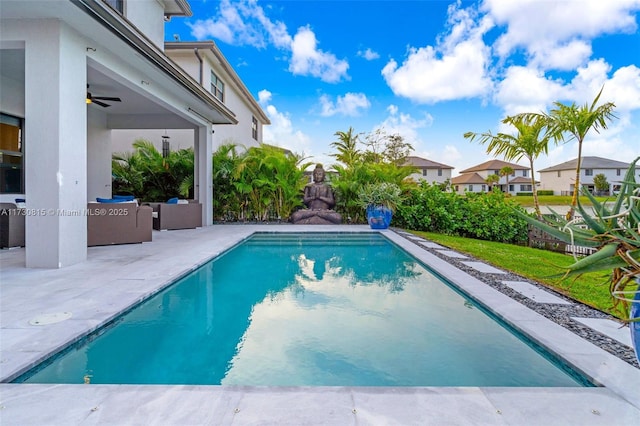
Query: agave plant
x=614 y=230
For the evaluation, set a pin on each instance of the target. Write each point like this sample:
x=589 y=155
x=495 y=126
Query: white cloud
x=560 y=57
x=623 y=88
x=229 y=26
x=351 y=104
x=526 y=89
x=562 y=26
x=404 y=125
x=368 y=54
x=264 y=96
x=281 y=132
x=307 y=59
x=456 y=68
x=246 y=23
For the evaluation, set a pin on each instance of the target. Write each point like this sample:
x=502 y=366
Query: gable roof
x=468 y=178
x=494 y=165
x=423 y=163
x=588 y=163
x=520 y=179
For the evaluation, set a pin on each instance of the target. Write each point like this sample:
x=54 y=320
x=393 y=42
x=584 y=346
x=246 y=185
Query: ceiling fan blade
x=107 y=98
x=102 y=104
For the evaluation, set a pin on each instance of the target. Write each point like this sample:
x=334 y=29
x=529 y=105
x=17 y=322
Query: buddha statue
x=319 y=199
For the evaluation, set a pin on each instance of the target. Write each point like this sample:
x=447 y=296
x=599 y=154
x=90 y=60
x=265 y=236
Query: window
x=254 y=128
x=511 y=188
x=496 y=172
x=617 y=172
x=559 y=173
x=470 y=188
x=217 y=87
x=424 y=172
x=439 y=172
x=116 y=4
x=457 y=188
x=525 y=173
x=525 y=188
x=11 y=177
x=588 y=172
x=484 y=188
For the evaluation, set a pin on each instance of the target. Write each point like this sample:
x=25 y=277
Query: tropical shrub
x=487 y=216
x=490 y=216
x=600 y=182
x=261 y=183
x=149 y=176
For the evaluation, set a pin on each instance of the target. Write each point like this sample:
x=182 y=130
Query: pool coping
x=175 y=253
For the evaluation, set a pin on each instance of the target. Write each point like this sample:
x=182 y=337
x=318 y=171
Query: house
x=474 y=179
x=561 y=178
x=72 y=73
x=204 y=61
x=429 y=171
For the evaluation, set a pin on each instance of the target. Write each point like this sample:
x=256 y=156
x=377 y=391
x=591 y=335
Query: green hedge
x=545 y=192
x=487 y=216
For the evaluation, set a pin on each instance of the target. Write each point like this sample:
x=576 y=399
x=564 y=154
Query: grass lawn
x=554 y=200
x=543 y=266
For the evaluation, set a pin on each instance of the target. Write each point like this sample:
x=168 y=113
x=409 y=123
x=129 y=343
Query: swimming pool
x=312 y=309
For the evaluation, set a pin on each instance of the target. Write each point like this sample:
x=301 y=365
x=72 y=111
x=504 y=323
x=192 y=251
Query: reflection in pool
x=306 y=310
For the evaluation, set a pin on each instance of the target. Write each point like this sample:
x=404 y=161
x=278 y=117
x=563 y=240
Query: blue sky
x=428 y=70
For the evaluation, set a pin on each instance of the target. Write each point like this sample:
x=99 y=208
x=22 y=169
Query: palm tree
x=577 y=121
x=491 y=180
x=348 y=153
x=506 y=171
x=529 y=142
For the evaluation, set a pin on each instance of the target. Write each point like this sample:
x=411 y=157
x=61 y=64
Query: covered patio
x=58 y=59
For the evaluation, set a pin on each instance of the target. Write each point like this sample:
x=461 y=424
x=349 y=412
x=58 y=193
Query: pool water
x=308 y=310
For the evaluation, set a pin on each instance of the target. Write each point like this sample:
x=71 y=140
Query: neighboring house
x=58 y=59
x=474 y=178
x=429 y=171
x=561 y=177
x=203 y=61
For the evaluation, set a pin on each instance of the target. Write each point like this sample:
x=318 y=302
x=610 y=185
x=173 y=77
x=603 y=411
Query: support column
x=55 y=145
x=203 y=171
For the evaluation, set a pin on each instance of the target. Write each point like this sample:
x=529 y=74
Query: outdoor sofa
x=177 y=215
x=118 y=223
x=12 y=220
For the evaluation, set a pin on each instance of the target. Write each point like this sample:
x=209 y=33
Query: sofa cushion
x=110 y=200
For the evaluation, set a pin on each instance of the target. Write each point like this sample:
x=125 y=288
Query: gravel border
x=560 y=314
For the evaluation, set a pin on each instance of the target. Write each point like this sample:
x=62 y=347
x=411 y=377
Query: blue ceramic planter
x=379 y=217
x=635 y=326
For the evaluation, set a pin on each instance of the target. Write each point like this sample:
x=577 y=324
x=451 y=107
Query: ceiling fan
x=98 y=99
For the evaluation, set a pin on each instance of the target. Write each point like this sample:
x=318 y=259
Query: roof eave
x=128 y=33
x=213 y=48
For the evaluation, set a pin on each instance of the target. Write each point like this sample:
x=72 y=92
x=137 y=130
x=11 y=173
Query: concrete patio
x=116 y=277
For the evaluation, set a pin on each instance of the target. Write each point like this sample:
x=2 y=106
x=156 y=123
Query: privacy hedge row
x=487 y=216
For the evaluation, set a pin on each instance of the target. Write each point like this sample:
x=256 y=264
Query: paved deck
x=115 y=278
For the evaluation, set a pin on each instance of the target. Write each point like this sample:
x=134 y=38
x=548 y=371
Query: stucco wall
x=565 y=182
x=432 y=176
x=233 y=99
x=98 y=155
x=148 y=17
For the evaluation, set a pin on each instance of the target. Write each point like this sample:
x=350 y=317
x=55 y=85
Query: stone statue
x=319 y=199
